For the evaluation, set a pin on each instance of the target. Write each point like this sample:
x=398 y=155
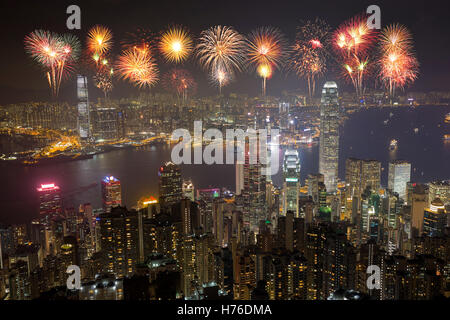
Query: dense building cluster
x=259 y=241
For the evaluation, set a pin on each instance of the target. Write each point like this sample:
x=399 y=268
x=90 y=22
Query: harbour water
x=366 y=134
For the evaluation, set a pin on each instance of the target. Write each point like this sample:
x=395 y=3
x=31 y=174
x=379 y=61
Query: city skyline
x=210 y=151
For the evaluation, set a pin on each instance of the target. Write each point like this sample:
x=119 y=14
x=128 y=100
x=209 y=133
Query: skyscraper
x=399 y=176
x=291 y=181
x=360 y=174
x=435 y=219
x=329 y=135
x=120 y=241
x=253 y=192
x=170 y=184
x=49 y=199
x=111 y=193
x=83 y=108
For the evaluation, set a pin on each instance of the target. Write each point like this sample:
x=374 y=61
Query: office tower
x=50 y=202
x=398 y=176
x=205 y=198
x=418 y=205
x=239 y=178
x=111 y=193
x=253 y=193
x=439 y=189
x=170 y=185
x=218 y=221
x=329 y=135
x=312 y=182
x=361 y=174
x=105 y=124
x=120 y=241
x=435 y=219
x=83 y=108
x=283 y=109
x=188 y=190
x=291 y=182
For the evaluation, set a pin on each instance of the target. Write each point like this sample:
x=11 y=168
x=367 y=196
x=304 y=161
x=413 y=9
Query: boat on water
x=446 y=137
x=393 y=144
x=416 y=130
x=447 y=118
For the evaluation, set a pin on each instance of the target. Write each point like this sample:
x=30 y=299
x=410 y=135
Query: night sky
x=21 y=80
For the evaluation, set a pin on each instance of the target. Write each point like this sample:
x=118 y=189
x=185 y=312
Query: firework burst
x=138 y=67
x=221 y=48
x=55 y=53
x=352 y=42
x=221 y=77
x=266 y=45
x=104 y=79
x=398 y=64
x=266 y=50
x=99 y=40
x=176 y=44
x=180 y=82
x=309 y=52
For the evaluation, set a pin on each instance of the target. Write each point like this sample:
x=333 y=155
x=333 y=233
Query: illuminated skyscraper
x=435 y=219
x=399 y=176
x=329 y=135
x=111 y=193
x=439 y=189
x=283 y=109
x=83 y=108
x=170 y=184
x=291 y=181
x=120 y=241
x=360 y=174
x=50 y=202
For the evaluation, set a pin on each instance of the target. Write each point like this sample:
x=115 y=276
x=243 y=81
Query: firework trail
x=266 y=50
x=142 y=39
x=176 y=44
x=397 y=62
x=180 y=82
x=221 y=51
x=309 y=53
x=352 y=42
x=55 y=53
x=138 y=67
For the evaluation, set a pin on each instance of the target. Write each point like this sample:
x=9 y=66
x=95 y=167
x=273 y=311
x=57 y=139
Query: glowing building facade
x=291 y=181
x=83 y=108
x=111 y=193
x=50 y=202
x=399 y=176
x=329 y=135
x=170 y=184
